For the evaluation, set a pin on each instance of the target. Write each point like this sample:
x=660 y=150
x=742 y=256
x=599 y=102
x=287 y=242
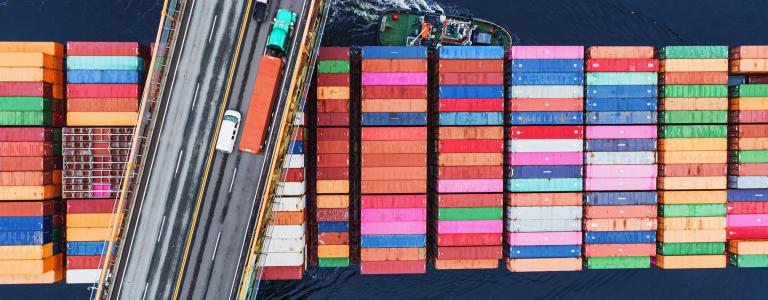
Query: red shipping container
x=106 y=49
x=546 y=104
x=394 y=160
x=299 y=135
x=77 y=262
x=333 y=106
x=29 y=163
x=757 y=79
x=747 y=233
x=741 y=208
x=26 y=134
x=760 y=169
x=393 y=133
x=333 y=160
x=340 y=173
x=29 y=89
x=282 y=273
x=294 y=175
x=468 y=239
x=751 y=131
x=622 y=65
x=332 y=119
x=332 y=79
x=26 y=149
x=104 y=90
x=333 y=53
x=332 y=214
x=393 y=267
x=546 y=132
x=471 y=66
x=687 y=170
x=102 y=105
x=543 y=199
x=394 y=92
x=472 y=78
x=91 y=206
x=476 y=252
x=748 y=116
x=693 y=78
x=58 y=220
x=337 y=147
x=30 y=178
x=470 y=146
x=332 y=134
x=393 y=201
x=470 y=200
x=26 y=208
x=471 y=172
x=481 y=105
x=333 y=238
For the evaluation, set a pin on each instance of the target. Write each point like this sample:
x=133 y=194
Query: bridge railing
x=151 y=95
x=297 y=95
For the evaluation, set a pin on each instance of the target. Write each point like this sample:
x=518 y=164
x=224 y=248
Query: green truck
x=281 y=30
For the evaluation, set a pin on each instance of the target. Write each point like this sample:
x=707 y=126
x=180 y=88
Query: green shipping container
x=694 y=117
x=750 y=90
x=26 y=118
x=749 y=261
x=622 y=78
x=56 y=134
x=619 y=262
x=470 y=213
x=753 y=156
x=333 y=66
x=694 y=52
x=333 y=262
x=692 y=210
x=690 y=248
x=25 y=104
x=694 y=131
x=126 y=63
x=56 y=234
x=694 y=91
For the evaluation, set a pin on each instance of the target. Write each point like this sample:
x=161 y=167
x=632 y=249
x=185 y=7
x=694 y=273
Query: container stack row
x=333 y=157
x=469 y=190
x=31 y=214
x=544 y=177
x=693 y=157
x=620 y=163
x=393 y=177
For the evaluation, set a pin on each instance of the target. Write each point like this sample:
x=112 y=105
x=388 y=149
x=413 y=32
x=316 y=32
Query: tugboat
x=415 y=28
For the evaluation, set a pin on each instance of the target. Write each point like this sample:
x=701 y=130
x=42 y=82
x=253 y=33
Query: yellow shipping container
x=694 y=65
x=26 y=252
x=30 y=60
x=101 y=118
x=693 y=197
x=693 y=144
x=87 y=234
x=692 y=223
x=402 y=105
x=471 y=159
x=332 y=92
x=332 y=201
x=332 y=186
x=90 y=220
x=332 y=250
x=46 y=278
x=749 y=247
x=691 y=261
x=751 y=103
x=693 y=157
x=31 y=266
x=749 y=65
x=32 y=75
x=693 y=183
x=695 y=103
x=50 y=48
x=692 y=236
x=753 y=143
x=30 y=192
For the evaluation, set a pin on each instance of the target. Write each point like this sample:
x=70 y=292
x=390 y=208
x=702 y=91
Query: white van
x=228 y=132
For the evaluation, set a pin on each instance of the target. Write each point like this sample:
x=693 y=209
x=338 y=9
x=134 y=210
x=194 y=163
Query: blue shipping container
x=620 y=145
x=545 y=251
x=547 y=65
x=757 y=195
x=394 y=119
x=393 y=241
x=546 y=118
x=748 y=182
x=471 y=118
x=88 y=248
x=26 y=223
x=473 y=52
x=545 y=171
x=8 y=238
x=621 y=104
x=573 y=78
x=621 y=117
x=471 y=92
x=619 y=237
x=394 y=52
x=621 y=198
x=102 y=76
x=622 y=91
x=335 y=226
x=297 y=147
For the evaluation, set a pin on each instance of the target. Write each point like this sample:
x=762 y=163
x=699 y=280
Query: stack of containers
x=31 y=94
x=470 y=159
x=332 y=167
x=394 y=161
x=692 y=157
x=620 y=184
x=545 y=158
x=284 y=255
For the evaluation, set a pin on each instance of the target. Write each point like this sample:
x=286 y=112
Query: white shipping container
x=284 y=245
x=298 y=119
x=286 y=231
x=546 y=91
x=287 y=203
x=281 y=259
x=291 y=188
x=83 y=275
x=544 y=212
x=620 y=158
x=748 y=182
x=293 y=161
x=554 y=225
x=545 y=145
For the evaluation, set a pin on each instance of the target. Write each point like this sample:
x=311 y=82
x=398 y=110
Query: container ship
x=415 y=28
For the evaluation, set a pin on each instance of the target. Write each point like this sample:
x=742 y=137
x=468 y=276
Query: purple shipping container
x=470 y=185
x=394 y=78
x=546 y=158
x=393 y=214
x=412 y=227
x=543 y=238
x=626 y=171
x=620 y=184
x=483 y=226
x=621 y=132
x=546 y=52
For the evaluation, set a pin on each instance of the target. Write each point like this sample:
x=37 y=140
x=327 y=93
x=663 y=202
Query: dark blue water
x=587 y=22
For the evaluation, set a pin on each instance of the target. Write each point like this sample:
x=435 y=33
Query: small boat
x=415 y=28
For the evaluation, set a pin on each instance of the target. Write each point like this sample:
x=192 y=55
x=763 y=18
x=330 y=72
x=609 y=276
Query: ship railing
x=147 y=116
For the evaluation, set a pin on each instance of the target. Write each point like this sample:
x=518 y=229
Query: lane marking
x=233 y=181
x=216 y=247
x=160 y=233
x=210 y=35
x=194 y=99
x=178 y=162
x=144 y=295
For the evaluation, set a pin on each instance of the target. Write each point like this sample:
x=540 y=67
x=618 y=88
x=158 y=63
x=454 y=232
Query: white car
x=228 y=132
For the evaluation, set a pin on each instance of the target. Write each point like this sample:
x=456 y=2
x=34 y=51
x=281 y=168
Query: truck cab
x=260 y=8
x=282 y=26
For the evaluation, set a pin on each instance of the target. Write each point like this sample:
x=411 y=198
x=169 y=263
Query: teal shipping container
x=105 y=63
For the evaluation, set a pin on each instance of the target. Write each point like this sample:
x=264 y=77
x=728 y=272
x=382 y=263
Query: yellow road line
x=212 y=150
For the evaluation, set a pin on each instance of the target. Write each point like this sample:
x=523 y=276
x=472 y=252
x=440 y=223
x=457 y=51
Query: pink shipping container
x=104 y=90
x=106 y=49
x=484 y=226
x=415 y=227
x=470 y=185
x=393 y=214
x=393 y=267
x=626 y=171
x=27 y=89
x=620 y=184
x=395 y=78
x=26 y=134
x=393 y=201
x=621 y=132
x=754 y=220
x=546 y=52
x=546 y=158
x=543 y=238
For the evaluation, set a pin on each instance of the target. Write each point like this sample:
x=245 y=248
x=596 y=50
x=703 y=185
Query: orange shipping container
x=32 y=75
x=595 y=250
x=87 y=234
x=462 y=264
x=398 y=105
x=47 y=278
x=692 y=236
x=26 y=252
x=288 y=218
x=750 y=65
x=694 y=78
x=620 y=211
x=393 y=173
x=333 y=250
x=102 y=105
x=692 y=223
x=101 y=118
x=543 y=264
x=749 y=247
x=543 y=199
x=401 y=147
x=90 y=220
x=394 y=160
x=471 y=133
x=692 y=183
x=338 y=147
x=31 y=266
x=30 y=192
x=26 y=209
x=332 y=201
x=689 y=170
x=693 y=144
x=30 y=60
x=394 y=65
x=620 y=52
x=50 y=48
x=694 y=65
x=393 y=186
x=694 y=103
x=692 y=197
x=751 y=144
x=693 y=157
x=30 y=178
x=470 y=159
x=471 y=66
x=332 y=186
x=392 y=254
x=691 y=261
x=751 y=103
x=260 y=108
x=749 y=52
x=626 y=224
x=332 y=92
